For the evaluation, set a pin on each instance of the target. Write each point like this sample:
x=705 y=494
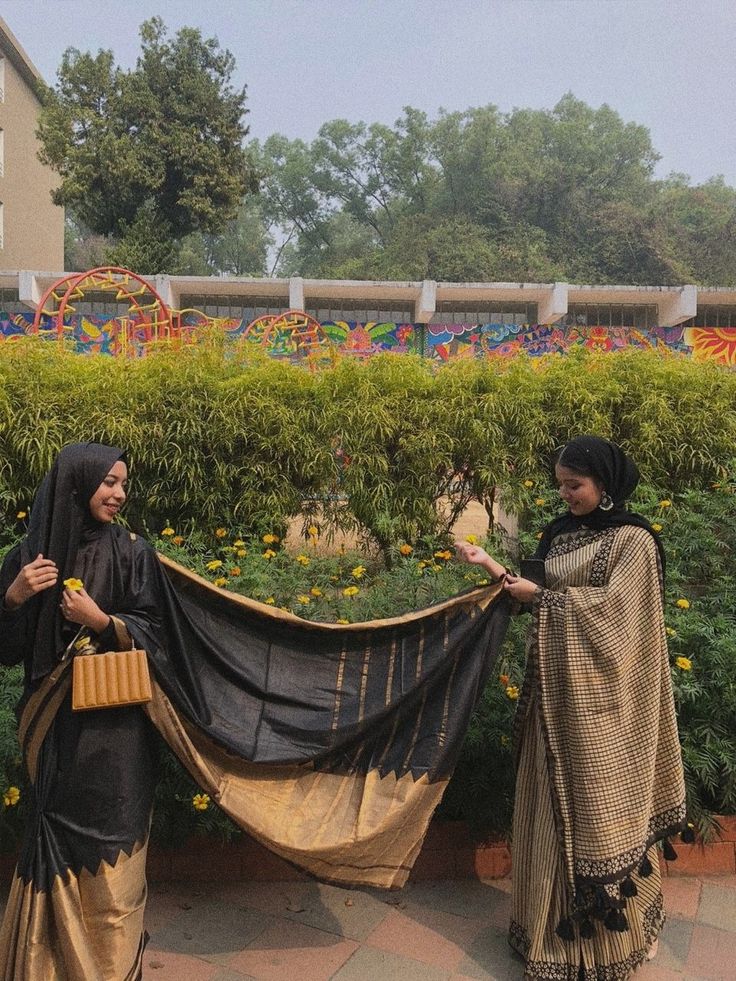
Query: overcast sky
x=668 y=64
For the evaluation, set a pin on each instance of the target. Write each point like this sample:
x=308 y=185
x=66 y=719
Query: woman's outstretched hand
x=478 y=556
x=79 y=607
x=520 y=589
x=33 y=578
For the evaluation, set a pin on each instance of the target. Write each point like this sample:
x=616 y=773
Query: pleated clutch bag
x=110 y=679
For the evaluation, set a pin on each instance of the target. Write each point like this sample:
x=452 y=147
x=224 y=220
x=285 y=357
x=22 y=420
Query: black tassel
x=565 y=929
x=622 y=924
x=688 y=835
x=668 y=851
x=645 y=869
x=628 y=888
x=587 y=930
x=611 y=920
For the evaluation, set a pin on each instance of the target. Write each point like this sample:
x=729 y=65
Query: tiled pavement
x=430 y=931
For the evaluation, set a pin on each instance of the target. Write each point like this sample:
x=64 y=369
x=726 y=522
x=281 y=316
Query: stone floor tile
x=652 y=971
x=487 y=901
x=211 y=929
x=287 y=951
x=712 y=954
x=718 y=907
x=166 y=965
x=490 y=956
x=227 y=974
x=371 y=964
x=674 y=944
x=427 y=935
x=681 y=897
x=350 y=913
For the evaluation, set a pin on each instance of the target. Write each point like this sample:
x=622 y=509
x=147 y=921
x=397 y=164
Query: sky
x=667 y=64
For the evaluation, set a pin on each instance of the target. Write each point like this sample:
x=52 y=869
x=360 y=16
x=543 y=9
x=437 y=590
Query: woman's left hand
x=520 y=589
x=79 y=607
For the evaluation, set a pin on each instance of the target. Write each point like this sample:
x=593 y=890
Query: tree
x=164 y=141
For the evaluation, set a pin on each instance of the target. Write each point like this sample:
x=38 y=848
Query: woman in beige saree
x=599 y=769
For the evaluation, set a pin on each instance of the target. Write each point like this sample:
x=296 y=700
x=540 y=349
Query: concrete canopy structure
x=31 y=225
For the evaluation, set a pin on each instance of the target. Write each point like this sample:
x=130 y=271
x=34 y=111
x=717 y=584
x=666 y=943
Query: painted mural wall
x=107 y=334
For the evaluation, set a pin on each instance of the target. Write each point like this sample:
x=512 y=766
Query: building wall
x=33 y=227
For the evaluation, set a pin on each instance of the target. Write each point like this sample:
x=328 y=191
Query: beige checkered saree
x=599 y=768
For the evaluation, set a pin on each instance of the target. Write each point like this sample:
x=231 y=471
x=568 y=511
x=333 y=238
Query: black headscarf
x=60 y=522
x=619 y=475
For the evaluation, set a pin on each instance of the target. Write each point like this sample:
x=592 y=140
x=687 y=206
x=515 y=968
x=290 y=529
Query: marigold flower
x=504 y=679
x=512 y=692
x=220 y=581
x=178 y=539
x=270 y=539
x=21 y=514
x=11 y=796
x=683 y=604
x=670 y=632
x=214 y=564
x=200 y=802
x=238 y=543
x=422 y=563
x=220 y=532
x=528 y=483
x=303 y=560
x=435 y=567
x=405 y=549
x=665 y=503
x=270 y=600
x=342 y=620
x=304 y=600
x=235 y=571
x=313 y=531
x=350 y=591
x=268 y=554
x=656 y=526
x=471 y=539
x=445 y=554
x=167 y=532
x=482 y=582
x=74 y=584
x=539 y=535
x=541 y=501
x=241 y=553
x=315 y=591
x=358 y=571
x=684 y=663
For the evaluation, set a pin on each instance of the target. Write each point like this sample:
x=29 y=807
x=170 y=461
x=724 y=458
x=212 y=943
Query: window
x=611 y=315
x=713 y=316
x=233 y=307
x=379 y=311
x=481 y=312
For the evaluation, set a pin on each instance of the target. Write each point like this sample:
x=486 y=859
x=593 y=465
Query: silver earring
x=606 y=502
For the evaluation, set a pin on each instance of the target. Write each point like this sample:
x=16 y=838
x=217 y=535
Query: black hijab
x=593 y=456
x=60 y=522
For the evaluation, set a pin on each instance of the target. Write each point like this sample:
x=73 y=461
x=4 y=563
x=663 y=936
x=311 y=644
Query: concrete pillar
x=28 y=288
x=553 y=306
x=676 y=307
x=296 y=293
x=162 y=285
x=426 y=305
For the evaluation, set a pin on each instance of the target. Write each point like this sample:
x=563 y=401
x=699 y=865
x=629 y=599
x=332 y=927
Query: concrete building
x=31 y=226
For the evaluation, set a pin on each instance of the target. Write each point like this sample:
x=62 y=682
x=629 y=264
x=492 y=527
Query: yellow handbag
x=110 y=679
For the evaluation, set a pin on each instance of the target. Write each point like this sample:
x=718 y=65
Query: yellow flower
x=20 y=515
x=227 y=548
x=665 y=503
x=178 y=539
x=268 y=554
x=504 y=740
x=358 y=571
x=656 y=526
x=220 y=532
x=200 y=802
x=512 y=692
x=482 y=582
x=270 y=600
x=334 y=578
x=235 y=571
x=684 y=663
x=539 y=535
x=167 y=532
x=303 y=559
x=445 y=554
x=528 y=483
x=241 y=553
x=405 y=549
x=422 y=563
x=350 y=591
x=714 y=486
x=472 y=539
x=540 y=501
x=11 y=796
x=435 y=567
x=341 y=620
x=315 y=591
x=313 y=531
x=214 y=564
x=270 y=539
x=220 y=581
x=304 y=600
x=670 y=632
x=238 y=543
x=74 y=584
x=683 y=604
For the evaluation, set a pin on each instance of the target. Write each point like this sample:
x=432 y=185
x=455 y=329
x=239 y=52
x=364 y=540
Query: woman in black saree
x=330 y=744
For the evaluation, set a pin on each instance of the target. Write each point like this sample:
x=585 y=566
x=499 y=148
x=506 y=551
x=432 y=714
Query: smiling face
x=110 y=495
x=581 y=494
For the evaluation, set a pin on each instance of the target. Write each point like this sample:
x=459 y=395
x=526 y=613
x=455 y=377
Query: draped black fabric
x=600 y=458
x=60 y=520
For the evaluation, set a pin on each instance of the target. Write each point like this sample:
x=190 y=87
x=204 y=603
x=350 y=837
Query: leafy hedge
x=243 y=443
